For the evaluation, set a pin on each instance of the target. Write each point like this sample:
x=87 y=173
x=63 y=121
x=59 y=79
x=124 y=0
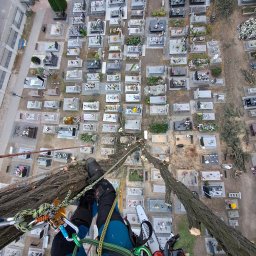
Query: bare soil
x=235 y=59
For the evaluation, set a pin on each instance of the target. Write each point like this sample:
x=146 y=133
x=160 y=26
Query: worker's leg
x=117 y=232
x=105 y=196
x=82 y=218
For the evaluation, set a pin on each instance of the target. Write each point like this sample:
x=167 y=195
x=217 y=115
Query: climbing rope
x=104 y=231
x=114 y=248
x=23 y=218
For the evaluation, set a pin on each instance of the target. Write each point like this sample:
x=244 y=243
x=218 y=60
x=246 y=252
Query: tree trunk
x=31 y=196
x=231 y=240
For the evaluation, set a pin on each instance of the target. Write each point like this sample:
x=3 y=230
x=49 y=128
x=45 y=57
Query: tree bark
x=231 y=240
x=31 y=196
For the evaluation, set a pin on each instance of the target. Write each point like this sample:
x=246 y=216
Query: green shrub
x=101 y=76
x=86 y=137
x=136 y=175
x=216 y=71
x=153 y=80
x=158 y=128
x=97 y=56
x=58 y=5
x=253 y=55
x=40 y=71
x=83 y=32
x=133 y=40
x=36 y=60
x=147 y=100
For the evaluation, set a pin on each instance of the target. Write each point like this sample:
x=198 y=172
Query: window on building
x=12 y=38
x=2 y=77
x=6 y=58
x=18 y=18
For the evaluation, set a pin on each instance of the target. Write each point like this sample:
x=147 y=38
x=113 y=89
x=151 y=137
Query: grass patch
x=158 y=127
x=216 y=71
x=92 y=55
x=186 y=241
x=136 y=175
x=159 y=13
x=153 y=80
x=133 y=40
x=194 y=56
x=177 y=22
x=87 y=137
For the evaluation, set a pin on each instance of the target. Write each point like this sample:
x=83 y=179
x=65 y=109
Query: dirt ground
x=235 y=59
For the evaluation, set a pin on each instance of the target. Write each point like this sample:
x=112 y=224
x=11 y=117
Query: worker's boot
x=94 y=169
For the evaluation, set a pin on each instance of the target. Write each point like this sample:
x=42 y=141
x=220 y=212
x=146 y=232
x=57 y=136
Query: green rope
x=76 y=240
x=22 y=218
x=114 y=248
x=107 y=246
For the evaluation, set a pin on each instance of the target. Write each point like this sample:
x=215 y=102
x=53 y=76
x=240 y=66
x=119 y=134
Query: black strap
x=169 y=250
x=140 y=240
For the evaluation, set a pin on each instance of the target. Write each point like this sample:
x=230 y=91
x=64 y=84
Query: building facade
x=12 y=20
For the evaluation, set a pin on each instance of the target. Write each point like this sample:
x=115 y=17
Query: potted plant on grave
x=36 y=60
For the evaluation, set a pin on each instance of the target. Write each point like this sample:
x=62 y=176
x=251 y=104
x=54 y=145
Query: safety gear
x=169 y=251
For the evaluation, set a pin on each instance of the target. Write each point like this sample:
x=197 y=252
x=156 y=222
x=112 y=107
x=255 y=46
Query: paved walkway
x=16 y=84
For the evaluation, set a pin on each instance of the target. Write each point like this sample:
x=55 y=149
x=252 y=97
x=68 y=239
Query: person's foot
x=94 y=169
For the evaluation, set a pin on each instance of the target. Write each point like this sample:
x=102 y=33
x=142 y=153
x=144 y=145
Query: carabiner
x=138 y=250
x=64 y=232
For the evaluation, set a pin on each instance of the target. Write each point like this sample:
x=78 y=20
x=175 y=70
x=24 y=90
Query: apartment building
x=12 y=20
